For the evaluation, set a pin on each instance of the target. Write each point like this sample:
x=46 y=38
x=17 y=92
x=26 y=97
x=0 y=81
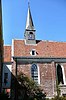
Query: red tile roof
x=7 y=53
x=43 y=49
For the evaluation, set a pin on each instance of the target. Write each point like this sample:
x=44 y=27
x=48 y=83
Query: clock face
x=31 y=36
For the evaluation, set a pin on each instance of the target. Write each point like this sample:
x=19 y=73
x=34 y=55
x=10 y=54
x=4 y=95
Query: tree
x=27 y=89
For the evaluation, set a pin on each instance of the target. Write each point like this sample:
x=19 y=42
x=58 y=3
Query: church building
x=43 y=61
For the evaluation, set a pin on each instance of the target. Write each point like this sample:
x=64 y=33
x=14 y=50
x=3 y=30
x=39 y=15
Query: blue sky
x=49 y=17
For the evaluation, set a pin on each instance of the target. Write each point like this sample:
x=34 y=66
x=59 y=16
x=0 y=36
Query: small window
x=33 y=52
x=31 y=33
x=5 y=78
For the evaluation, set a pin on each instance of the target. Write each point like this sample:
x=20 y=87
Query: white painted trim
x=12 y=51
x=7 y=45
x=18 y=39
x=38 y=75
x=27 y=22
x=53 y=41
x=63 y=74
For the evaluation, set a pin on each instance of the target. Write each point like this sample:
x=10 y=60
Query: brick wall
x=48 y=78
x=47 y=75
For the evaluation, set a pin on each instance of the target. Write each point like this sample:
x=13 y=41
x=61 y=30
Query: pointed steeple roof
x=29 y=22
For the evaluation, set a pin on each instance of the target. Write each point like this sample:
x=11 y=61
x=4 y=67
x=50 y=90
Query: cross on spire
x=28 y=3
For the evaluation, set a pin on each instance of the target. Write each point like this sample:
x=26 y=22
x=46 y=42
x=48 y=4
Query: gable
x=7 y=53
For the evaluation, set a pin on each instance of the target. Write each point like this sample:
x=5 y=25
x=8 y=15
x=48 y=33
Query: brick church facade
x=43 y=61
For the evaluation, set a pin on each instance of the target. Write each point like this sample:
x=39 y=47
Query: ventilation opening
x=31 y=33
x=59 y=75
x=33 y=52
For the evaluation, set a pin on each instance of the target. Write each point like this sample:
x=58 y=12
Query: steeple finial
x=29 y=30
x=28 y=3
x=29 y=21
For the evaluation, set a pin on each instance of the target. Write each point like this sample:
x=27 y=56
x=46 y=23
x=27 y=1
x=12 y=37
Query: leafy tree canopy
x=28 y=89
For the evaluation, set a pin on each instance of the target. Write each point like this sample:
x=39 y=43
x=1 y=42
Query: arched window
x=34 y=73
x=60 y=74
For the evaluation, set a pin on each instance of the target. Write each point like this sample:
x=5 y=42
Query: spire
x=29 y=22
x=29 y=34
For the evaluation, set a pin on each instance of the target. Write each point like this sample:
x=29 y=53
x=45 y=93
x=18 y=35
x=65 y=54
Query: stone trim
x=39 y=59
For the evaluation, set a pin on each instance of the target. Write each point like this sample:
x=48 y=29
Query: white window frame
x=38 y=71
x=33 y=50
x=62 y=72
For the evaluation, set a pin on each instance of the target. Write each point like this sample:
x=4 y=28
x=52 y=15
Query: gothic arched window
x=60 y=74
x=34 y=73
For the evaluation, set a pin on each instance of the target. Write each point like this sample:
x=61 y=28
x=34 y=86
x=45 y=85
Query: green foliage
x=28 y=89
x=57 y=98
x=60 y=98
x=58 y=90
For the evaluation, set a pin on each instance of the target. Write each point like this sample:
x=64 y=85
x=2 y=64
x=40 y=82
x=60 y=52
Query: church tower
x=29 y=34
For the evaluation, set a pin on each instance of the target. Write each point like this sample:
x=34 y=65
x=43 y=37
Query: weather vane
x=28 y=2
